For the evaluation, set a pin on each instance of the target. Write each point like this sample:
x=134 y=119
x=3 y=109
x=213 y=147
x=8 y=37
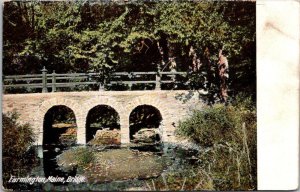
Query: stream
x=116 y=168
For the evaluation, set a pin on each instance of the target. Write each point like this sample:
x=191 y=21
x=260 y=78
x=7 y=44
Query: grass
x=228 y=133
x=79 y=156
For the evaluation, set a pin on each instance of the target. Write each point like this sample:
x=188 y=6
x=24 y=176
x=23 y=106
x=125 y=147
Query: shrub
x=18 y=158
x=229 y=133
x=17 y=138
x=220 y=124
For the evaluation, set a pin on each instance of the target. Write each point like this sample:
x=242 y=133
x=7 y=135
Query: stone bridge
x=32 y=108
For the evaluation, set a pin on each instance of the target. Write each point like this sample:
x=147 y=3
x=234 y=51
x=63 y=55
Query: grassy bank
x=228 y=136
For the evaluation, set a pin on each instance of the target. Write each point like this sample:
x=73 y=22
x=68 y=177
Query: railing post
x=101 y=86
x=130 y=86
x=130 y=76
x=158 y=79
x=53 y=81
x=89 y=80
x=44 y=80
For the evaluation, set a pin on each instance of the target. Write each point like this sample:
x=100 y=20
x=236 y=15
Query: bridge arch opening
x=60 y=126
x=103 y=126
x=144 y=123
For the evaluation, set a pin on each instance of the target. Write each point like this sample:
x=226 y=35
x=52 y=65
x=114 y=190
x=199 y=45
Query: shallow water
x=118 y=168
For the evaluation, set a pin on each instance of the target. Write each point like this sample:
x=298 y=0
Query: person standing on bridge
x=223 y=74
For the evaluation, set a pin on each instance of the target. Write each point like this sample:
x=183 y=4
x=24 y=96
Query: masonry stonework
x=33 y=107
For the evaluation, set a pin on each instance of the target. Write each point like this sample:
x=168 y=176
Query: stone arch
x=152 y=101
x=91 y=103
x=145 y=116
x=48 y=104
x=148 y=100
x=102 y=100
x=59 y=134
x=93 y=116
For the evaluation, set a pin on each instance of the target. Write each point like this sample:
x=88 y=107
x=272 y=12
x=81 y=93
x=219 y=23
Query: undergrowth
x=227 y=135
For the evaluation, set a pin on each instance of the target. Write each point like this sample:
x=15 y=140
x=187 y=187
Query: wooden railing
x=55 y=81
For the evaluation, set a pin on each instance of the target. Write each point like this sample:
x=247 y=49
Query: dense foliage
x=229 y=133
x=219 y=124
x=17 y=156
x=16 y=138
x=133 y=36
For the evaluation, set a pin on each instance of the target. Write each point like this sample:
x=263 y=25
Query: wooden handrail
x=65 y=80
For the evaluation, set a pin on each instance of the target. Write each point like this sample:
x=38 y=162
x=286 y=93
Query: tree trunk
x=161 y=52
x=196 y=63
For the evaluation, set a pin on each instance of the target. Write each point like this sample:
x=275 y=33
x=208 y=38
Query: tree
x=117 y=36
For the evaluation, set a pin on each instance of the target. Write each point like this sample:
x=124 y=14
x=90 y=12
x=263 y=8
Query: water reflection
x=48 y=163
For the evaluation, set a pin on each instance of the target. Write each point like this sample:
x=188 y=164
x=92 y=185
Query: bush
x=229 y=134
x=220 y=124
x=17 y=138
x=18 y=158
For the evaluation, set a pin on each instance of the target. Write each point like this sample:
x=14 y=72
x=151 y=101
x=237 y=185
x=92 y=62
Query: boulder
x=69 y=137
x=71 y=131
x=146 y=135
x=106 y=137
